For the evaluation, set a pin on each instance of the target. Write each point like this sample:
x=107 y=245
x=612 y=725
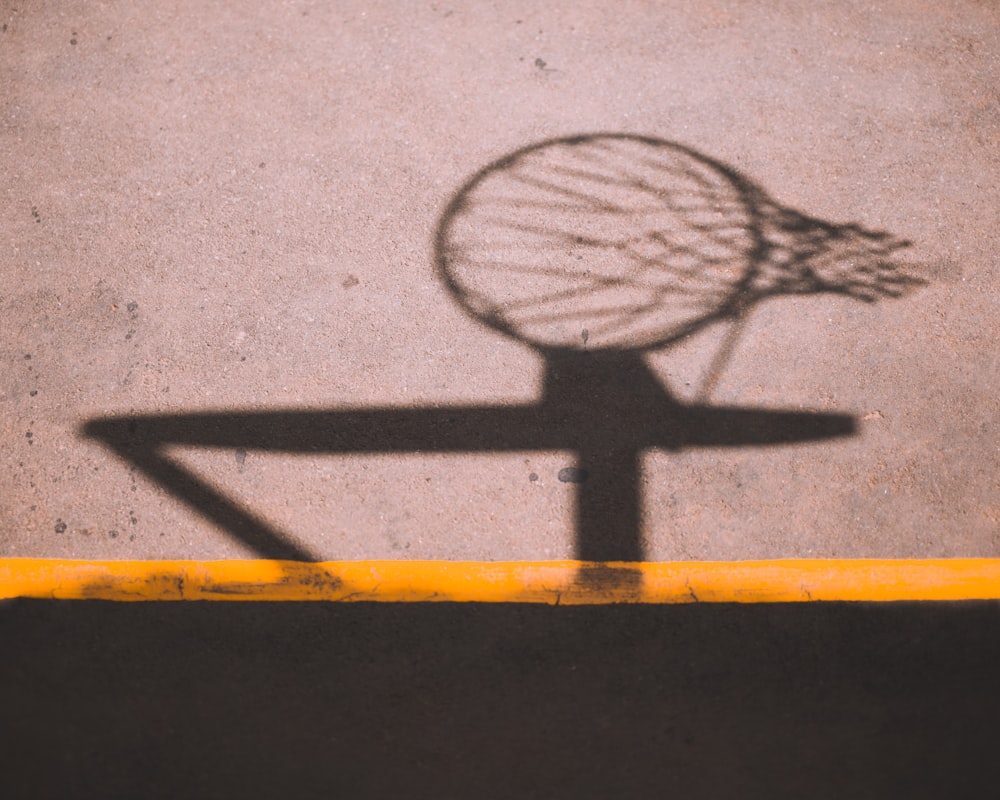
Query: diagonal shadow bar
x=186 y=486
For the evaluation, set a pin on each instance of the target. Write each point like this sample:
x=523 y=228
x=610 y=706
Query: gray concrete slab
x=229 y=209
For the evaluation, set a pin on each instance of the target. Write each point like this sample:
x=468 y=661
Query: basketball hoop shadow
x=593 y=250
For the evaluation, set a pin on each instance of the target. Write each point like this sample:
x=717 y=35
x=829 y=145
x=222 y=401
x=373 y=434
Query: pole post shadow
x=579 y=412
x=593 y=250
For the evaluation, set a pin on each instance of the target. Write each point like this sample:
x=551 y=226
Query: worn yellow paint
x=552 y=582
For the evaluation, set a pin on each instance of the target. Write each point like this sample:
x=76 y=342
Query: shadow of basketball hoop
x=593 y=250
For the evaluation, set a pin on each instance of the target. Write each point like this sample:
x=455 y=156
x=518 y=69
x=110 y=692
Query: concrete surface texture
x=499 y=280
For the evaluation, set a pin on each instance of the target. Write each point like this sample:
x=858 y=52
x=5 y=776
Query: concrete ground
x=236 y=208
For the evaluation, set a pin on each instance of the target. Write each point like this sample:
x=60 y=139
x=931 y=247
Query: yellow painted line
x=552 y=582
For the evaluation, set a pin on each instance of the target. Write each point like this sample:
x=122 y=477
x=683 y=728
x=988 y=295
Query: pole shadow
x=593 y=250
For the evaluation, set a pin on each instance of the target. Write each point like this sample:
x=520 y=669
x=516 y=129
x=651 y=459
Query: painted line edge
x=545 y=582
